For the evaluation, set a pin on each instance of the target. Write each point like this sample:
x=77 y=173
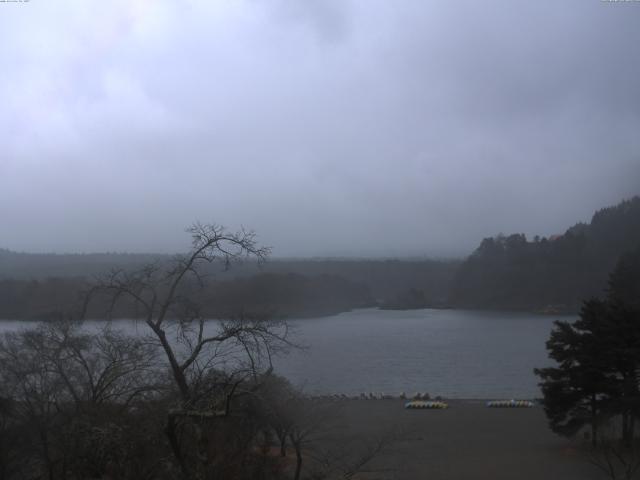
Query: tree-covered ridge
x=20 y=265
x=505 y=272
x=38 y=285
x=551 y=274
x=277 y=295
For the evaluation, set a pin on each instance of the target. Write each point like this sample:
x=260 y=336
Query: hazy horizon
x=276 y=256
x=333 y=128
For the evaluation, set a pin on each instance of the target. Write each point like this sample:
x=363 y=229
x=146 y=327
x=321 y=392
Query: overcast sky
x=331 y=127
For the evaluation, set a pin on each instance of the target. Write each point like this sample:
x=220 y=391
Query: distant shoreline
x=312 y=315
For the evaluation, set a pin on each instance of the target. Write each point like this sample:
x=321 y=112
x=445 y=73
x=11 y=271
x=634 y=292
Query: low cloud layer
x=331 y=127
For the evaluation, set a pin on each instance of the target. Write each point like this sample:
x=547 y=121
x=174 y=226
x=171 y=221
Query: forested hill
x=385 y=278
x=548 y=274
x=35 y=266
x=504 y=272
x=44 y=285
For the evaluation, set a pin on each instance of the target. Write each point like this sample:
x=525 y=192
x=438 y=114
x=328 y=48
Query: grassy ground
x=466 y=441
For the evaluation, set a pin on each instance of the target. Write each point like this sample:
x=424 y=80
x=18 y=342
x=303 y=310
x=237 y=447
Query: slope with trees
x=553 y=274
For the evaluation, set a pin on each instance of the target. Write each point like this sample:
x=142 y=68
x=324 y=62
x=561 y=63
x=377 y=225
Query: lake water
x=453 y=353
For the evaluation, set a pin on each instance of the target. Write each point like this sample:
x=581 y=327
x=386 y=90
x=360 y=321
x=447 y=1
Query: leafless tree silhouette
x=210 y=361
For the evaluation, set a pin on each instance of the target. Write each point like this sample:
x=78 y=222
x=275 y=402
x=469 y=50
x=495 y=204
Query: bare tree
x=210 y=362
x=315 y=429
x=619 y=459
x=311 y=421
x=62 y=383
x=348 y=458
x=166 y=296
x=279 y=402
x=11 y=441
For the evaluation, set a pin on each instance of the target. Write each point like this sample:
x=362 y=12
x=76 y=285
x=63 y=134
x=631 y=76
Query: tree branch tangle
x=208 y=360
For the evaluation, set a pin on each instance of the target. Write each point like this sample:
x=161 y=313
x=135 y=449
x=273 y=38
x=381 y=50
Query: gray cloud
x=330 y=127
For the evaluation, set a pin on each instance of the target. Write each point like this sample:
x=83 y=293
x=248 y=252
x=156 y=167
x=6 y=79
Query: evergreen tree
x=576 y=392
x=598 y=373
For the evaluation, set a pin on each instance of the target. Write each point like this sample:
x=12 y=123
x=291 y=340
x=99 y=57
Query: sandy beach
x=465 y=441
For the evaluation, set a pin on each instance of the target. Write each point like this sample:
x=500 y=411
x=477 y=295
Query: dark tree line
x=288 y=295
x=548 y=274
x=384 y=280
x=280 y=295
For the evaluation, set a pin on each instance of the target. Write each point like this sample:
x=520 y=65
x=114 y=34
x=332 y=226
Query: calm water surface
x=454 y=353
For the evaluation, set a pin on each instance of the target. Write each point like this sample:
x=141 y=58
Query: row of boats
x=439 y=405
x=422 y=404
x=421 y=400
